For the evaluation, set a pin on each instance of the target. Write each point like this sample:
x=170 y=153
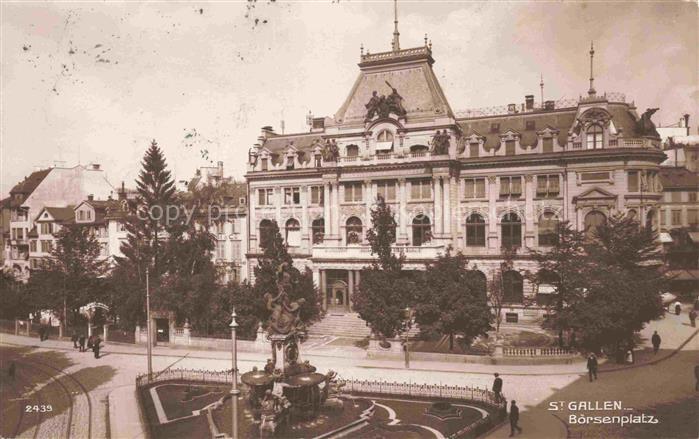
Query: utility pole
x=149 y=329
x=234 y=377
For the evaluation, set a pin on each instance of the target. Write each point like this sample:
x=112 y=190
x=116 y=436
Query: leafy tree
x=624 y=285
x=384 y=291
x=13 y=299
x=496 y=288
x=566 y=267
x=273 y=256
x=72 y=276
x=449 y=300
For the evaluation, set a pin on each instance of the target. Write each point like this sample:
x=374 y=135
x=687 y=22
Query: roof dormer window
x=594 y=136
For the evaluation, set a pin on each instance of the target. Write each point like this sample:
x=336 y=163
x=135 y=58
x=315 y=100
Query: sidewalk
x=356 y=361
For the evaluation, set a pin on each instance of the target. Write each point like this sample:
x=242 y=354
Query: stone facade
x=479 y=181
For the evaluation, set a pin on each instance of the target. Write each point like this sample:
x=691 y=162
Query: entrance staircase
x=347 y=325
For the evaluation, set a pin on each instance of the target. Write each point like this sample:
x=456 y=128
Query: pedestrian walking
x=592 y=366
x=90 y=341
x=693 y=318
x=514 y=419
x=11 y=371
x=81 y=342
x=696 y=376
x=497 y=387
x=41 y=333
x=74 y=339
x=96 y=346
x=678 y=308
x=655 y=339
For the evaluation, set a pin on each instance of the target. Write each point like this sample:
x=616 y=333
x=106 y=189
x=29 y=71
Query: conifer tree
x=146 y=226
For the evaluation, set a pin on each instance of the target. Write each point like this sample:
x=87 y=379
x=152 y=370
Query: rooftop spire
x=592 y=91
x=541 y=84
x=395 y=44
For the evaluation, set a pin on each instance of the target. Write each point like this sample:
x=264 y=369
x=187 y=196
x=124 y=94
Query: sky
x=95 y=82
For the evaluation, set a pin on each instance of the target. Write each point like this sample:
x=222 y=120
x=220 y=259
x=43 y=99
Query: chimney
x=268 y=131
x=95 y=166
x=686 y=122
x=511 y=108
x=549 y=105
x=529 y=102
x=90 y=197
x=220 y=169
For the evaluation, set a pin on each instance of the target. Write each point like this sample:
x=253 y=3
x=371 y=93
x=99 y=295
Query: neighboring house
x=54 y=187
x=43 y=236
x=678 y=205
x=4 y=229
x=228 y=221
x=483 y=181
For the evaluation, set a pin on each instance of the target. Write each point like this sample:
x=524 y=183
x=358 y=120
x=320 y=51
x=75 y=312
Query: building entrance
x=338 y=297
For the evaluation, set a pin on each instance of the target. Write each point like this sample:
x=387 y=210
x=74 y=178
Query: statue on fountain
x=274 y=414
x=285 y=318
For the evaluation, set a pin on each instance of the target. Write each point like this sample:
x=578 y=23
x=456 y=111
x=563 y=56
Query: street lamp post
x=148 y=328
x=234 y=377
x=406 y=349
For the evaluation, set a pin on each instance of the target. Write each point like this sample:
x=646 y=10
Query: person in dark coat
x=514 y=419
x=655 y=339
x=693 y=318
x=41 y=333
x=74 y=339
x=497 y=387
x=696 y=376
x=11 y=371
x=81 y=342
x=678 y=308
x=592 y=366
x=96 y=346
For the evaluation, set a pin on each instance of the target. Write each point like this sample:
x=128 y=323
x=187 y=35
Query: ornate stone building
x=482 y=181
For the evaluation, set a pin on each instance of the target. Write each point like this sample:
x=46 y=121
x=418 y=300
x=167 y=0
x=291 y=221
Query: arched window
x=318 y=230
x=513 y=287
x=475 y=231
x=477 y=280
x=266 y=233
x=352 y=150
x=422 y=230
x=511 y=228
x=293 y=233
x=594 y=137
x=593 y=220
x=385 y=136
x=548 y=229
x=353 y=230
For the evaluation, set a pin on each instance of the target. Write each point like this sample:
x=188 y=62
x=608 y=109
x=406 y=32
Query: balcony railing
x=364 y=252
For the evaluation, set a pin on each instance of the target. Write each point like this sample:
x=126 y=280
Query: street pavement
x=530 y=385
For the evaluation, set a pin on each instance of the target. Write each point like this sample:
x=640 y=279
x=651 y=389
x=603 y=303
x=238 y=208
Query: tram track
x=74 y=419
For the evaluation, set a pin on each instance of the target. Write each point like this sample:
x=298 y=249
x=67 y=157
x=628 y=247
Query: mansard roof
x=409 y=71
x=277 y=144
x=679 y=178
x=561 y=119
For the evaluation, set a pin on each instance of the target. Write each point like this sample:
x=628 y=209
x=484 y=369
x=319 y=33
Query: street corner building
x=484 y=181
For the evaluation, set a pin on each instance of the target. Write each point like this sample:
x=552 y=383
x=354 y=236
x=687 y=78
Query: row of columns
x=321 y=278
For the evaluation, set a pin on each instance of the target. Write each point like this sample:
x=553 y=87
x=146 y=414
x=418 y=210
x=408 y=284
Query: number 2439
x=37 y=408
